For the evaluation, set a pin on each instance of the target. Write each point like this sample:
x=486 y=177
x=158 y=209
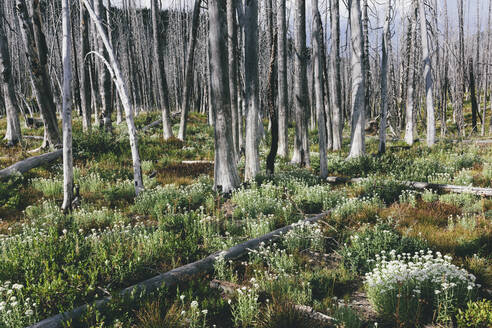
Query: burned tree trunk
x=85 y=94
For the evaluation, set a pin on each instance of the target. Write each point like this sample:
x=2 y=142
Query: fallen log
x=33 y=137
x=197 y=162
x=29 y=163
x=487 y=192
x=173 y=277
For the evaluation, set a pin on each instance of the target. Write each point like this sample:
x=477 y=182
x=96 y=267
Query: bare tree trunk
x=13 y=135
x=85 y=95
x=67 y=109
x=473 y=95
x=384 y=80
x=225 y=170
x=188 y=84
x=252 y=166
x=104 y=75
x=161 y=73
x=410 y=107
x=460 y=94
x=271 y=87
x=318 y=87
x=366 y=59
x=357 y=145
x=120 y=84
x=233 y=81
x=431 y=123
x=336 y=98
x=37 y=53
x=301 y=102
x=283 y=102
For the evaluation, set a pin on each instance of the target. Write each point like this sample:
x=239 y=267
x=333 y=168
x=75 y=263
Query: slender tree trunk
x=366 y=59
x=336 y=97
x=225 y=170
x=317 y=40
x=37 y=53
x=188 y=84
x=252 y=166
x=125 y=100
x=232 y=48
x=460 y=119
x=85 y=95
x=431 y=123
x=357 y=145
x=272 y=86
x=104 y=75
x=67 y=109
x=384 y=80
x=13 y=135
x=473 y=95
x=301 y=102
x=410 y=107
x=283 y=102
x=162 y=88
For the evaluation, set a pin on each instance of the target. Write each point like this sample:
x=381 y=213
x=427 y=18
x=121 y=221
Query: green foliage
x=359 y=255
x=477 y=314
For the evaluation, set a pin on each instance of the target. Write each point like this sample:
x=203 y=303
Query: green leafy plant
x=477 y=314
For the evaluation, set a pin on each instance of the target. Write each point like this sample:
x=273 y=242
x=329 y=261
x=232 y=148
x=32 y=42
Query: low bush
x=477 y=314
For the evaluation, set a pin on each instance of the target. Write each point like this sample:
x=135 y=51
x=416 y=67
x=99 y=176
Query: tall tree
x=161 y=73
x=431 y=123
x=13 y=135
x=473 y=95
x=487 y=69
x=67 y=108
x=252 y=166
x=37 y=55
x=283 y=102
x=301 y=101
x=233 y=80
x=190 y=60
x=335 y=83
x=410 y=107
x=460 y=89
x=357 y=144
x=272 y=86
x=104 y=75
x=317 y=40
x=226 y=177
x=85 y=85
x=386 y=39
x=114 y=69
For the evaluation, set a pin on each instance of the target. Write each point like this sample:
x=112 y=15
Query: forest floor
x=51 y=263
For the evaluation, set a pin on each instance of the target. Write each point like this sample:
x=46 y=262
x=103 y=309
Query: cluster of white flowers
x=421 y=268
x=304 y=235
x=15 y=309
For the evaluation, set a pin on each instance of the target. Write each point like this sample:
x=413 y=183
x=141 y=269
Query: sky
x=470 y=8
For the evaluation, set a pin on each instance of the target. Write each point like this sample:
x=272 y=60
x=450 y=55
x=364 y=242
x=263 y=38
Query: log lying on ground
x=173 y=277
x=197 y=162
x=158 y=122
x=29 y=163
x=487 y=192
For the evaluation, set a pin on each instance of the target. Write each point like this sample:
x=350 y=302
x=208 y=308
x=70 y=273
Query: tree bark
x=67 y=109
x=85 y=95
x=226 y=177
x=13 y=134
x=336 y=97
x=409 y=108
x=318 y=87
x=125 y=100
x=233 y=81
x=301 y=102
x=460 y=94
x=37 y=55
x=188 y=84
x=272 y=86
x=431 y=123
x=473 y=95
x=252 y=165
x=384 y=80
x=283 y=102
x=104 y=75
x=162 y=88
x=487 y=70
x=357 y=145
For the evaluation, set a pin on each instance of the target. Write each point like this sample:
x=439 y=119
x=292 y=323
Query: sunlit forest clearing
x=250 y=164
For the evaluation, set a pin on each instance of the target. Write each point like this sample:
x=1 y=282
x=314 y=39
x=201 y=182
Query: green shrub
x=477 y=314
x=359 y=255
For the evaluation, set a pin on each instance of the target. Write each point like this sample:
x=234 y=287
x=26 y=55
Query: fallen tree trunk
x=487 y=192
x=29 y=163
x=173 y=277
